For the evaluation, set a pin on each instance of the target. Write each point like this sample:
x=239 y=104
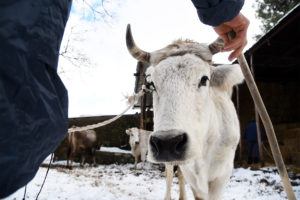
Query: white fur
x=138 y=150
x=169 y=173
x=206 y=114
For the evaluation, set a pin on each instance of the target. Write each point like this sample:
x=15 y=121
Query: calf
x=82 y=142
x=138 y=140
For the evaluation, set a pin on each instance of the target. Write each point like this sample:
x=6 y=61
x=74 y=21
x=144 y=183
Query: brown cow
x=82 y=142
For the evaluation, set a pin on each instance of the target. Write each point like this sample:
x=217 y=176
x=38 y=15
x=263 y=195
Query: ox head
x=187 y=87
x=134 y=138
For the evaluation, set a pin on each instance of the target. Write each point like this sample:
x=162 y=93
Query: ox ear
x=226 y=76
x=128 y=131
x=216 y=46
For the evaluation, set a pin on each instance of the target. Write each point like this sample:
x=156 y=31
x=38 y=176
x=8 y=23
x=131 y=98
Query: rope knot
x=147 y=89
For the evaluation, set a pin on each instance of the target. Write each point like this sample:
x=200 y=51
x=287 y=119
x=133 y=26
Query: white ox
x=138 y=140
x=195 y=121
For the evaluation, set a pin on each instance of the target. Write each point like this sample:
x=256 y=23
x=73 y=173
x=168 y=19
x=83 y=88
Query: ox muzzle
x=168 y=146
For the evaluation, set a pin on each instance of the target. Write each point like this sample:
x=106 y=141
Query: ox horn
x=133 y=49
x=216 y=46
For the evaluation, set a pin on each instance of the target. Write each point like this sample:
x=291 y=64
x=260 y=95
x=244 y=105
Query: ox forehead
x=132 y=131
x=174 y=71
x=177 y=48
x=180 y=48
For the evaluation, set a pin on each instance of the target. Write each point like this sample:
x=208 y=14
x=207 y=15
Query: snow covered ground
x=121 y=182
x=114 y=149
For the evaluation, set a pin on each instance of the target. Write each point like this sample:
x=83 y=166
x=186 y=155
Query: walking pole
x=267 y=123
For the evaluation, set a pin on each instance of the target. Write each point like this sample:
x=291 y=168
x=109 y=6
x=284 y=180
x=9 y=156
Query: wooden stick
x=267 y=123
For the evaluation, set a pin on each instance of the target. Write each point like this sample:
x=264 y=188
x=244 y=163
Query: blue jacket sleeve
x=216 y=12
x=33 y=99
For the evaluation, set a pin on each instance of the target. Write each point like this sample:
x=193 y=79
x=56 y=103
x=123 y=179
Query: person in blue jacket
x=33 y=99
x=250 y=136
x=225 y=16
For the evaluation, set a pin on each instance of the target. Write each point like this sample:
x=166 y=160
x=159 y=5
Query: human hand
x=239 y=25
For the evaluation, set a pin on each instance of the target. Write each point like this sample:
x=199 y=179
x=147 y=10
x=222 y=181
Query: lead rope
x=131 y=100
x=25 y=192
x=37 y=196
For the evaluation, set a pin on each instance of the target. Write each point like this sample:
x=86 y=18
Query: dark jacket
x=216 y=12
x=250 y=133
x=33 y=100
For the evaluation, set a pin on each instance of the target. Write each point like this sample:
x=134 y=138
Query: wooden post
x=143 y=109
x=260 y=149
x=146 y=114
x=241 y=134
x=142 y=112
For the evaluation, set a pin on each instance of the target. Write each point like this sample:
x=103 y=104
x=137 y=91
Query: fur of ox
x=195 y=121
x=169 y=173
x=138 y=140
x=82 y=142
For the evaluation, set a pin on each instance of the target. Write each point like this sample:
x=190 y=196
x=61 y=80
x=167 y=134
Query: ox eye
x=203 y=81
x=150 y=85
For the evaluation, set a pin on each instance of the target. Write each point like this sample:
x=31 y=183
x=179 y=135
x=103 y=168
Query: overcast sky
x=99 y=87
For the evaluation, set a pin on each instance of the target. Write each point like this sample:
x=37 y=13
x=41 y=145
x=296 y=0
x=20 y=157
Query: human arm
x=33 y=99
x=216 y=12
x=225 y=16
x=239 y=25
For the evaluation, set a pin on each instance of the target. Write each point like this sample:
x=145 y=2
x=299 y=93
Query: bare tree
x=73 y=54
x=98 y=9
x=91 y=11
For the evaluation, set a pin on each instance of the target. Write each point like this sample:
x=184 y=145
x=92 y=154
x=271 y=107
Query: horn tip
x=133 y=49
x=129 y=39
x=128 y=28
x=216 y=46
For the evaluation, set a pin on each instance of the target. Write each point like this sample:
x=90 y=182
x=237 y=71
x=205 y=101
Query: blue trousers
x=253 y=152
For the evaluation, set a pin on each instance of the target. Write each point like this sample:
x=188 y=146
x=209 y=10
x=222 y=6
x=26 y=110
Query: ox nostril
x=168 y=146
x=154 y=143
x=136 y=142
x=180 y=143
